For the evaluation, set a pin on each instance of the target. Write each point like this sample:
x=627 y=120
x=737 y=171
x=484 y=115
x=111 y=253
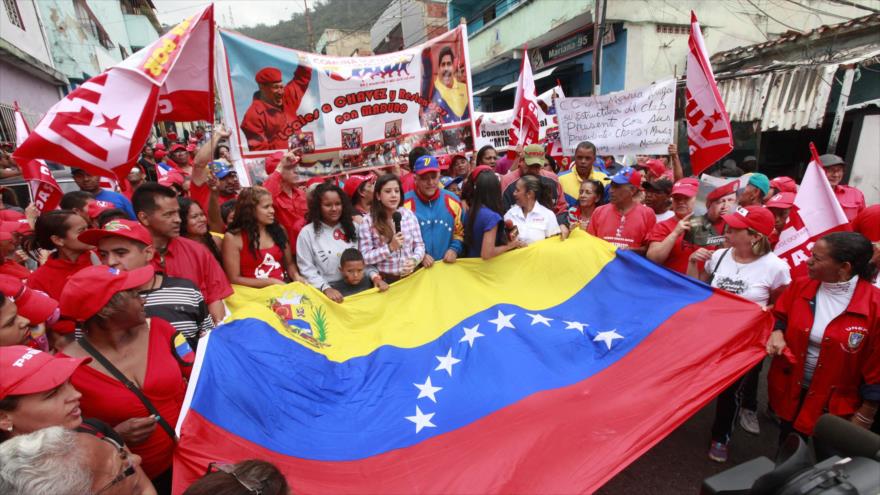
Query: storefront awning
x=539 y=75
x=487 y=89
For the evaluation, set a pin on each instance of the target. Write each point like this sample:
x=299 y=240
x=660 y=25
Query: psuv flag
x=546 y=370
x=45 y=191
x=102 y=125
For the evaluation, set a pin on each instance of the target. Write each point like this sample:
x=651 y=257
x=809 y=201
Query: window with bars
x=673 y=29
x=13 y=13
x=87 y=20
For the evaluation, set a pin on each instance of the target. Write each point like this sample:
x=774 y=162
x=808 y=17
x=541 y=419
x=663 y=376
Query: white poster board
x=641 y=121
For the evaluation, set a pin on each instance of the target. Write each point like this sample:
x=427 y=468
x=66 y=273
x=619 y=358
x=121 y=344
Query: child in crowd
x=352 y=267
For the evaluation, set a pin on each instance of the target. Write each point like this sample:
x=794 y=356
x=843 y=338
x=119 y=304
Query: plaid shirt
x=376 y=252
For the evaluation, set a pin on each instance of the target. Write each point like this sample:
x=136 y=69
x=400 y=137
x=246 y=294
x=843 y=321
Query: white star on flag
x=607 y=337
x=428 y=390
x=503 y=321
x=537 y=318
x=576 y=325
x=471 y=334
x=447 y=362
x=422 y=420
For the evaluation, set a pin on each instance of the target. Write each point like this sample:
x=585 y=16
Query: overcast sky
x=231 y=13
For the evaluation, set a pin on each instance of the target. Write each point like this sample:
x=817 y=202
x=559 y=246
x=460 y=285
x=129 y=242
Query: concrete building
x=27 y=73
x=645 y=40
x=87 y=37
x=344 y=43
x=405 y=23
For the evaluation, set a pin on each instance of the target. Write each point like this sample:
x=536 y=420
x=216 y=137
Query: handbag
x=715 y=270
x=87 y=346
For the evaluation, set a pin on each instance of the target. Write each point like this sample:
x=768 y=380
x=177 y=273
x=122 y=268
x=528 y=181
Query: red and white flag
x=815 y=213
x=102 y=125
x=708 y=126
x=525 y=128
x=45 y=192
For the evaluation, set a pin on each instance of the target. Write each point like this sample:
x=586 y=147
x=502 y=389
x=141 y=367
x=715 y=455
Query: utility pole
x=598 y=34
x=309 y=27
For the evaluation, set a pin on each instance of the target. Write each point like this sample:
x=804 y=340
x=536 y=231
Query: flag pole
x=18 y=141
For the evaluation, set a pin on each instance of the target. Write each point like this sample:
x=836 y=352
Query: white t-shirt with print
x=753 y=281
x=539 y=224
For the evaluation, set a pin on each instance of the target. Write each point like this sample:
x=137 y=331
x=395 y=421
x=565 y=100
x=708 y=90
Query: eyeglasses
x=230 y=470
x=127 y=471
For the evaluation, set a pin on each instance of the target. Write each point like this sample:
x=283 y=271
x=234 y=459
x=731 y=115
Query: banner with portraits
x=345 y=113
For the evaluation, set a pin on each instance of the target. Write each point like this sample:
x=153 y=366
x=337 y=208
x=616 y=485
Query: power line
x=774 y=19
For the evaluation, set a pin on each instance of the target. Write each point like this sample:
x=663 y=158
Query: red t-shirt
x=867 y=223
x=630 y=230
x=107 y=399
x=408 y=182
x=190 y=260
x=290 y=208
x=202 y=193
x=267 y=263
x=681 y=250
x=51 y=279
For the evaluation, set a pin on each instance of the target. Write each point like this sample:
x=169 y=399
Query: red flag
x=525 y=127
x=708 y=126
x=815 y=213
x=45 y=192
x=103 y=124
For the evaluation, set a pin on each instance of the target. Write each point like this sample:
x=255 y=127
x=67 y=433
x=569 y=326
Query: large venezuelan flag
x=546 y=370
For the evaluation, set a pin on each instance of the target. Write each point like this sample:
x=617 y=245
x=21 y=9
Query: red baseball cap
x=159 y=146
x=98 y=207
x=99 y=283
x=686 y=187
x=176 y=147
x=354 y=182
x=34 y=305
x=757 y=218
x=128 y=229
x=781 y=200
x=721 y=191
x=159 y=154
x=21 y=226
x=25 y=371
x=656 y=167
x=272 y=161
x=784 y=184
x=191 y=147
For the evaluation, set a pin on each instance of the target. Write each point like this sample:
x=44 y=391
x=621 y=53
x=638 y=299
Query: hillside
x=355 y=15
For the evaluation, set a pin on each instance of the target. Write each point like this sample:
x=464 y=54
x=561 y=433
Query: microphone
x=396 y=217
x=846 y=439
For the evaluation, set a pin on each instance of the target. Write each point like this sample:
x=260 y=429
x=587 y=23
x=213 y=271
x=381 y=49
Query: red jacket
x=848 y=370
x=291 y=208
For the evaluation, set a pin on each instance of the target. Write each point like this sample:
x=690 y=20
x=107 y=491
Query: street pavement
x=680 y=462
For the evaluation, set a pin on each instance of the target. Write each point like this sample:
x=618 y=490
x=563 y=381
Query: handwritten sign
x=640 y=121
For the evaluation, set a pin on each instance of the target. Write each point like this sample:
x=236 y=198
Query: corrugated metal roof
x=871 y=21
x=783 y=100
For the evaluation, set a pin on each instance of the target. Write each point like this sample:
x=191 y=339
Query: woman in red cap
x=23 y=314
x=256 y=248
x=58 y=231
x=35 y=391
x=825 y=340
x=135 y=383
x=749 y=269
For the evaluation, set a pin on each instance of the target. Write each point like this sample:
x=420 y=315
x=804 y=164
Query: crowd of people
x=103 y=300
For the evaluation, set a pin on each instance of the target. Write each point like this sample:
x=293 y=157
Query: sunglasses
x=127 y=470
x=256 y=489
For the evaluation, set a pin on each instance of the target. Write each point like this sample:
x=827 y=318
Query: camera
x=848 y=463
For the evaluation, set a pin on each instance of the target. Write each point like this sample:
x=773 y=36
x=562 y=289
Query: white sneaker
x=748 y=419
